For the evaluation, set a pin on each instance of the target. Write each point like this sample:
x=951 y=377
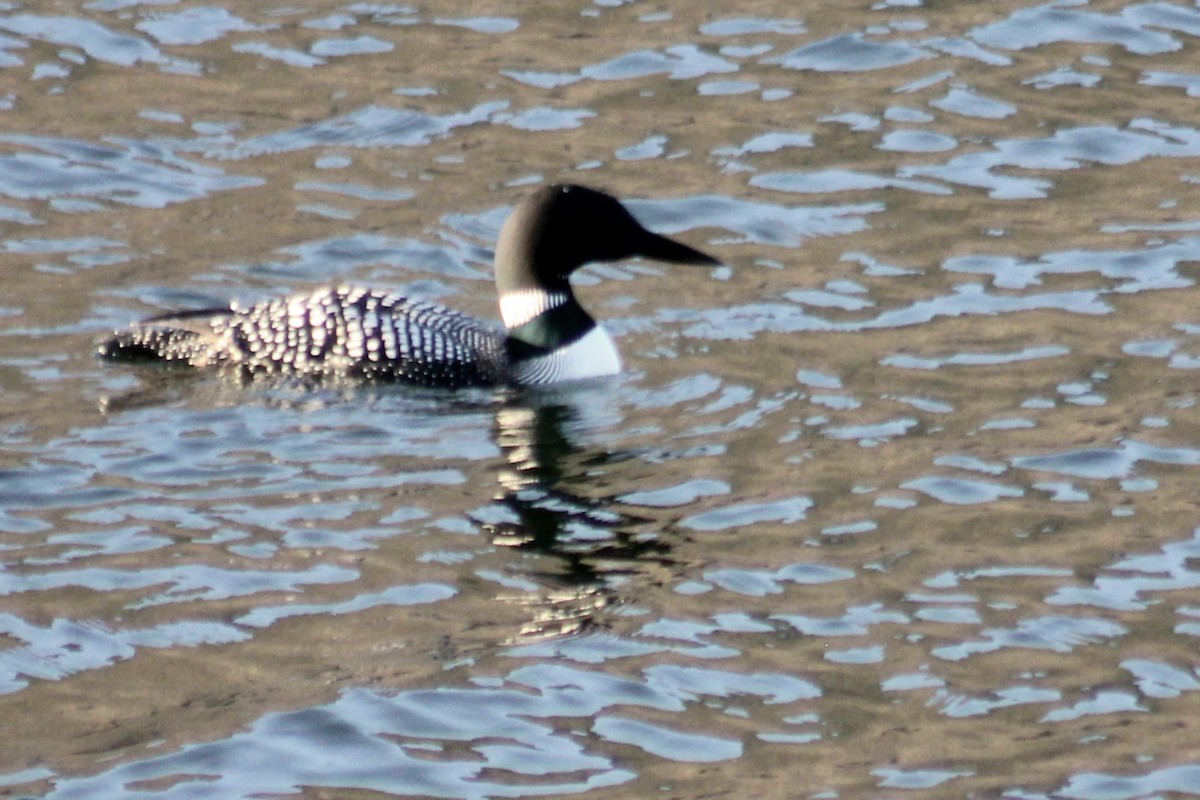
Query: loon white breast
x=375 y=335
x=368 y=334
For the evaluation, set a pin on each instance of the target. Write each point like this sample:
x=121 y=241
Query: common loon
x=361 y=333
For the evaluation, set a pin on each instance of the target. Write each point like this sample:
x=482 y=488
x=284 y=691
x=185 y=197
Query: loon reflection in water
x=549 y=504
x=361 y=333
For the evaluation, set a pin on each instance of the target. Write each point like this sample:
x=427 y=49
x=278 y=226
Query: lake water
x=901 y=501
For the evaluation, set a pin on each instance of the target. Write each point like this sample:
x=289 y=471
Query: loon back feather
x=338 y=331
x=176 y=337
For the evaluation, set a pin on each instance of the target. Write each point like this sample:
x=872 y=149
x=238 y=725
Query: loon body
x=368 y=334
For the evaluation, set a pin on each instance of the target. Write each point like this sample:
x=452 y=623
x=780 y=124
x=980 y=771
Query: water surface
x=898 y=500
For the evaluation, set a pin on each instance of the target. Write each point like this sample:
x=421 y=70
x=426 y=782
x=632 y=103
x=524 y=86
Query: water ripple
x=94 y=39
x=1057 y=634
x=130 y=174
x=194 y=26
x=185 y=584
x=1035 y=27
x=678 y=62
x=370 y=126
x=66 y=647
x=1101 y=463
x=1100 y=786
x=851 y=53
x=1067 y=149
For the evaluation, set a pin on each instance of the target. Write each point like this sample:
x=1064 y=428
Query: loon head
x=556 y=231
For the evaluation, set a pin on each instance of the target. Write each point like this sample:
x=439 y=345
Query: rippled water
x=899 y=500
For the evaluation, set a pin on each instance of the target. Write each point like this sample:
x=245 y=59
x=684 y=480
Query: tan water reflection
x=901 y=500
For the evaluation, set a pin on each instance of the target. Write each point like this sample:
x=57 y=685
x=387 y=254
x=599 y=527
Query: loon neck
x=520 y=306
x=540 y=321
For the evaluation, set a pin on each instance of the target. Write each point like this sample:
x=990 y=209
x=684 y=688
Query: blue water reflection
x=138 y=174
